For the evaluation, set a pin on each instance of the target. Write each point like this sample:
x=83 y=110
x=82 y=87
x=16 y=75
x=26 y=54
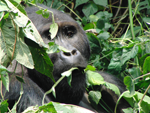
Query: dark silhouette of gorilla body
x=72 y=37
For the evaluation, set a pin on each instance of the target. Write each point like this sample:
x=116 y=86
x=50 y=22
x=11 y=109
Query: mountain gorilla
x=72 y=37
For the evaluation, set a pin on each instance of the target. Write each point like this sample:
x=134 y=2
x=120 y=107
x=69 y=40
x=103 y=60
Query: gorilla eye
x=47 y=34
x=69 y=31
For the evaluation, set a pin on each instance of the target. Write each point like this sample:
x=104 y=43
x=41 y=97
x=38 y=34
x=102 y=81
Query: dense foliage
x=119 y=37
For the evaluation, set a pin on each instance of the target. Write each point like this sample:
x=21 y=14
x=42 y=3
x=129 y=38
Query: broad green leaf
x=18 y=5
x=94 y=43
x=53 y=30
x=97 y=62
x=2 y=68
x=5 y=79
x=134 y=72
x=28 y=28
x=94 y=78
x=42 y=62
x=112 y=87
x=142 y=59
x=145 y=104
x=101 y=2
x=93 y=18
x=104 y=36
x=129 y=84
x=88 y=26
x=129 y=53
x=137 y=30
x=3 y=106
x=100 y=24
x=147 y=20
x=89 y=9
x=79 y=2
x=3 y=7
x=115 y=63
x=146 y=67
x=7 y=41
x=94 y=98
x=22 y=52
x=20 y=19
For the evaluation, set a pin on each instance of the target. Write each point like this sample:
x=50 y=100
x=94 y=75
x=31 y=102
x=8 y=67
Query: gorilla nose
x=74 y=58
x=73 y=52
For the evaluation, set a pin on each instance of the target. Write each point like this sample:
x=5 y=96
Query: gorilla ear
x=69 y=31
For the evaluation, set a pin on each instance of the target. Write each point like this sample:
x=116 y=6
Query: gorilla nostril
x=66 y=53
x=74 y=52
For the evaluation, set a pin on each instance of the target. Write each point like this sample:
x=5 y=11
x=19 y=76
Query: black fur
x=72 y=37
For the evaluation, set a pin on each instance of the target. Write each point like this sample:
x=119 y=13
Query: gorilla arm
x=32 y=93
x=108 y=96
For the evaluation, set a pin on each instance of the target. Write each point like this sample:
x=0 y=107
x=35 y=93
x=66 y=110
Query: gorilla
x=72 y=37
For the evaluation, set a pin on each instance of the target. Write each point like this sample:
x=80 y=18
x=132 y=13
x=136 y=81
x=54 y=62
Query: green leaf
x=100 y=24
x=88 y=26
x=39 y=12
x=79 y=2
x=93 y=18
x=42 y=62
x=103 y=36
x=134 y=72
x=147 y=20
x=130 y=84
x=2 y=68
x=146 y=67
x=145 y=104
x=101 y=2
x=89 y=9
x=5 y=79
x=20 y=79
x=129 y=53
x=53 y=30
x=112 y=87
x=3 y=106
x=94 y=78
x=63 y=49
x=137 y=30
x=94 y=98
x=94 y=43
x=142 y=59
x=52 y=48
x=69 y=72
x=3 y=7
x=115 y=63
x=22 y=52
x=45 y=13
x=89 y=67
x=147 y=47
x=128 y=110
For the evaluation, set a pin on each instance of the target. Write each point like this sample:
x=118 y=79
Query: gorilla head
x=72 y=37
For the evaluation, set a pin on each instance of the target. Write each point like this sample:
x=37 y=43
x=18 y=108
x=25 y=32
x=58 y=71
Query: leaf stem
x=49 y=91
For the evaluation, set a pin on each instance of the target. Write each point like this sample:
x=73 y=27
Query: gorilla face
x=72 y=37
